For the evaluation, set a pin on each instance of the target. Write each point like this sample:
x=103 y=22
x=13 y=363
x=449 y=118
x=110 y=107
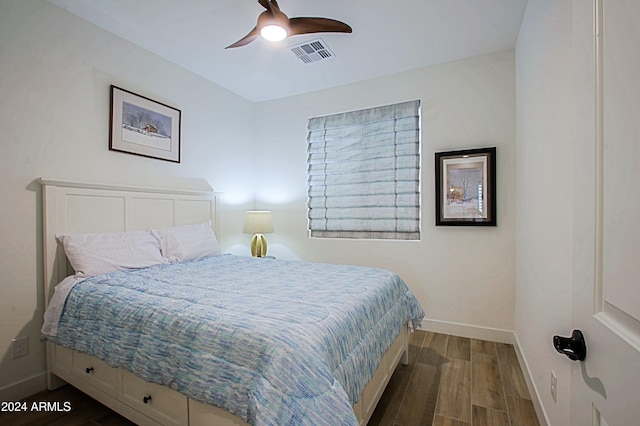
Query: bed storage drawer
x=95 y=372
x=162 y=404
x=207 y=415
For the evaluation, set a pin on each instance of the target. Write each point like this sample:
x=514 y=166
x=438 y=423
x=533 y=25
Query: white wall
x=463 y=276
x=54 y=115
x=544 y=199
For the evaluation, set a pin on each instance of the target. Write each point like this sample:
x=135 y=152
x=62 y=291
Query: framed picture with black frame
x=145 y=127
x=466 y=187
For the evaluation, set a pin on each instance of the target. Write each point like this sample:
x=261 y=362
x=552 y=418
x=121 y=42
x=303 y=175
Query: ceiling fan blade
x=246 y=39
x=317 y=25
x=269 y=4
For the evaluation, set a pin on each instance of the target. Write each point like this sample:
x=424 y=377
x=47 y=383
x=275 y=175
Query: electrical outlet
x=20 y=346
x=554 y=385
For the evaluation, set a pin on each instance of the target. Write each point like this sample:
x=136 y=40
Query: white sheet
x=52 y=314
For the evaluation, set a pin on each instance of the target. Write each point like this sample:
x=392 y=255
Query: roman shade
x=364 y=173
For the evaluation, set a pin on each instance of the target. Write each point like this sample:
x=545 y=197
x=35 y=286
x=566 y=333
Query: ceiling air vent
x=312 y=51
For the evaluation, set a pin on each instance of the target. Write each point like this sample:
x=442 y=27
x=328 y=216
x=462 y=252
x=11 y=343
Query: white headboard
x=79 y=207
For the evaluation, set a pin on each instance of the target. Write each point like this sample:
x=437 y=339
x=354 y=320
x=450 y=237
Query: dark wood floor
x=84 y=411
x=456 y=381
x=450 y=381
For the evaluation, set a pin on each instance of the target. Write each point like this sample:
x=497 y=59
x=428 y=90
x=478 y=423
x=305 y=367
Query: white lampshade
x=273 y=32
x=257 y=222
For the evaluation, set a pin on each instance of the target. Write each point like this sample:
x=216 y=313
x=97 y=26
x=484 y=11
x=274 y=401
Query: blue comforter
x=275 y=342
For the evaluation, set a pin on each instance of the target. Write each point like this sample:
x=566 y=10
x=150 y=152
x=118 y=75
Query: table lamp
x=258 y=222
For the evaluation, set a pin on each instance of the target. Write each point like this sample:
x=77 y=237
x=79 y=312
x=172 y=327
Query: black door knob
x=574 y=347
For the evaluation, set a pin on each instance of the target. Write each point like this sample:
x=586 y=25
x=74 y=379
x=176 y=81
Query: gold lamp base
x=258 y=246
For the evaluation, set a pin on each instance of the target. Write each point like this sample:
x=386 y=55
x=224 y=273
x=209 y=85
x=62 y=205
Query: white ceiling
x=388 y=37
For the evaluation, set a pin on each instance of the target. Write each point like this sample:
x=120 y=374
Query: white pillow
x=187 y=242
x=93 y=254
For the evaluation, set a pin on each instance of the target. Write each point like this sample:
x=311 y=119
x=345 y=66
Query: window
x=364 y=173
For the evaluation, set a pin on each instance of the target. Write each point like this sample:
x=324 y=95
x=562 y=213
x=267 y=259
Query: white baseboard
x=24 y=388
x=533 y=391
x=466 y=330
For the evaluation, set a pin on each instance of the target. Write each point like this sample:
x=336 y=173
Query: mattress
x=272 y=341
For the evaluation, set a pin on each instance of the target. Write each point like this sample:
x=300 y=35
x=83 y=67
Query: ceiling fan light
x=273 y=32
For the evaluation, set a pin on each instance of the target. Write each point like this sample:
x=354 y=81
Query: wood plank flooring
x=450 y=381
x=456 y=381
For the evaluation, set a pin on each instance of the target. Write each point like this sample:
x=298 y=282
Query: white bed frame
x=76 y=207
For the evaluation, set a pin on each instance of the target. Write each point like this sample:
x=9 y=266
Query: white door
x=606 y=387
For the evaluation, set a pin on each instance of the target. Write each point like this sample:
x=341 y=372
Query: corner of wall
x=531 y=385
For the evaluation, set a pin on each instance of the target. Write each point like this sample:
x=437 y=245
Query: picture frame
x=142 y=126
x=466 y=187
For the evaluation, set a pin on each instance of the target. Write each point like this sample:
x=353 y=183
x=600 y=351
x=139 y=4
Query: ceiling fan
x=274 y=25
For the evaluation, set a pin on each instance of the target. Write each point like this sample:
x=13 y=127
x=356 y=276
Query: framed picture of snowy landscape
x=142 y=126
x=466 y=187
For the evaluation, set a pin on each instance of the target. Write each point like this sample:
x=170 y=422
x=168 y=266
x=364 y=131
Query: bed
x=218 y=339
